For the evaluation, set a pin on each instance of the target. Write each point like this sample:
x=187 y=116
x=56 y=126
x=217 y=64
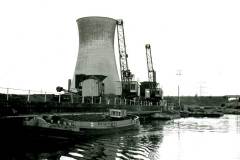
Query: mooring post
x=82 y=99
x=45 y=97
x=100 y=100
x=7 y=93
x=106 y=100
x=115 y=100
x=28 y=98
x=71 y=98
x=92 y=99
x=59 y=98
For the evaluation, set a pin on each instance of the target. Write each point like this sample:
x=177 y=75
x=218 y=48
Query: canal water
x=180 y=139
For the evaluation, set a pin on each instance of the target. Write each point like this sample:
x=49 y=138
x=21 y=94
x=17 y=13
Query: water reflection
x=207 y=138
x=180 y=139
x=130 y=145
x=199 y=125
x=238 y=124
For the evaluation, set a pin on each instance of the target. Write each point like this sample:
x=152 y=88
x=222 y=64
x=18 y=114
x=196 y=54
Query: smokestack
x=69 y=84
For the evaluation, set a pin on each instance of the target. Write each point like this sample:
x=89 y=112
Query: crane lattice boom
x=125 y=72
x=151 y=72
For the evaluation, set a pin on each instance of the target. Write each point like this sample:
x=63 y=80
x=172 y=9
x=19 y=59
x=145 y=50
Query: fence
x=31 y=101
x=29 y=96
x=11 y=94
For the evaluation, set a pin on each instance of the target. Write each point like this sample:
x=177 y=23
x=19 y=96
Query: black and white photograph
x=119 y=80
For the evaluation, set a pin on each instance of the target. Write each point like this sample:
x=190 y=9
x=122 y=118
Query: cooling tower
x=96 y=54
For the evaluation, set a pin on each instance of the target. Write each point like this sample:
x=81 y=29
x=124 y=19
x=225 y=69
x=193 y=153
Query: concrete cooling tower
x=96 y=70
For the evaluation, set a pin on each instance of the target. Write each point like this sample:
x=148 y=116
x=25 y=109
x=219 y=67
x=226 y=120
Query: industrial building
x=96 y=70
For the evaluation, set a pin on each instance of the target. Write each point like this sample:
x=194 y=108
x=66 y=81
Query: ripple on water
x=180 y=139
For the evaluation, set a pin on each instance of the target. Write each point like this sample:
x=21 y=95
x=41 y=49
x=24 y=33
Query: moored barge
x=76 y=126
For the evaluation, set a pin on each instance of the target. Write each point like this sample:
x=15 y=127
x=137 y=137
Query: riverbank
x=208 y=111
x=231 y=111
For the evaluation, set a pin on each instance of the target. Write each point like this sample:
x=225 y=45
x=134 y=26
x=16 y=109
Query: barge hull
x=52 y=133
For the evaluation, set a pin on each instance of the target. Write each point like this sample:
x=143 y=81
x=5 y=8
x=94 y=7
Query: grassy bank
x=198 y=101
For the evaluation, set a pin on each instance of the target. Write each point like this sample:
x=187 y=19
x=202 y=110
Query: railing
x=24 y=95
x=32 y=101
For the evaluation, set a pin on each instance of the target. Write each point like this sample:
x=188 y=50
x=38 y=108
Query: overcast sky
x=39 y=42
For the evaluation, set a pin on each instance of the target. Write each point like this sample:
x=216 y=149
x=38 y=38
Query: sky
x=39 y=42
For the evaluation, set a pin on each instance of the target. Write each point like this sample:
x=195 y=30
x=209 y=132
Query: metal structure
x=150 y=88
x=96 y=57
x=151 y=72
x=126 y=75
x=179 y=73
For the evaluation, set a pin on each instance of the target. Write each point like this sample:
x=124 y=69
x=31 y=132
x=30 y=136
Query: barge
x=76 y=126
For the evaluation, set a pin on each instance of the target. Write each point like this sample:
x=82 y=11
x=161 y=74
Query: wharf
x=139 y=113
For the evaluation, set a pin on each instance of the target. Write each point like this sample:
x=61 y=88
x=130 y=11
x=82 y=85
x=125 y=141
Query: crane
x=155 y=92
x=151 y=72
x=125 y=72
x=126 y=75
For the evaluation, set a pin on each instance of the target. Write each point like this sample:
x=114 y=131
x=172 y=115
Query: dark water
x=181 y=139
